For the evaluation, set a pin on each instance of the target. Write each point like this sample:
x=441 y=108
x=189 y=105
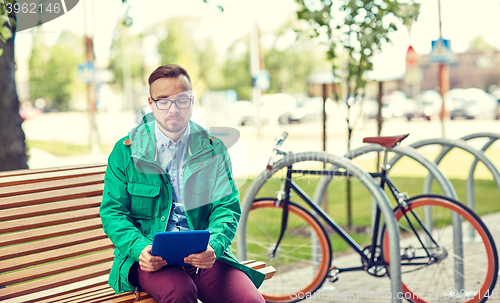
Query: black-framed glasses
x=181 y=102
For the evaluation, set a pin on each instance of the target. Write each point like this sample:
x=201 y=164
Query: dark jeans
x=221 y=283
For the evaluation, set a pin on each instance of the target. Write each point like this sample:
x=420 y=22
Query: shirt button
x=173 y=179
x=176 y=212
x=163 y=218
x=175 y=156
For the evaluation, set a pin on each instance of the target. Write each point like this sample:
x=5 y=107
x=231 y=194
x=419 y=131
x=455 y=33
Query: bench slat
x=268 y=271
x=49 y=232
x=58 y=293
x=55 y=281
x=49 y=185
x=128 y=297
x=97 y=296
x=75 y=295
x=30 y=171
x=37 y=177
x=49 y=208
x=49 y=220
x=51 y=196
x=56 y=268
x=54 y=255
x=50 y=244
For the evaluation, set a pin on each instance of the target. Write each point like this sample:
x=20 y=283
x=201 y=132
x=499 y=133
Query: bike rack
x=447 y=145
x=351 y=168
x=470 y=180
x=445 y=184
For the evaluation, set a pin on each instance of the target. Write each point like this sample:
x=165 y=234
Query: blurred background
x=260 y=67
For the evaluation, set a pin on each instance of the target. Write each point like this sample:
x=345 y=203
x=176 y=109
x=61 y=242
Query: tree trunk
x=12 y=146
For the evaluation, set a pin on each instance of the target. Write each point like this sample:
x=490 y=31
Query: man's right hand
x=148 y=262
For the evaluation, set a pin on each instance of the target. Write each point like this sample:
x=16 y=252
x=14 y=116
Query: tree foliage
x=235 y=70
x=126 y=51
x=53 y=71
x=479 y=44
x=290 y=62
x=357 y=28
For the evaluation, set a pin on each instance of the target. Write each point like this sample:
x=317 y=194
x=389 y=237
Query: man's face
x=172 y=120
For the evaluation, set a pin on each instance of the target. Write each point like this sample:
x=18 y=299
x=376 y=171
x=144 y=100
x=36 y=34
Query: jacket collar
x=144 y=145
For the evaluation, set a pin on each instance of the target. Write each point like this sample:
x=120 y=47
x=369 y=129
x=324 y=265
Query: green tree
x=289 y=66
x=479 y=44
x=356 y=28
x=176 y=45
x=126 y=52
x=179 y=47
x=54 y=70
x=13 y=149
x=235 y=70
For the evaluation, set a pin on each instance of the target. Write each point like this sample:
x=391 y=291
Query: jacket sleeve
x=115 y=208
x=225 y=213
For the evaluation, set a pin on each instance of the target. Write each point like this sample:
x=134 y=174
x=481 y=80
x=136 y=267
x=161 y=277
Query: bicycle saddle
x=387 y=142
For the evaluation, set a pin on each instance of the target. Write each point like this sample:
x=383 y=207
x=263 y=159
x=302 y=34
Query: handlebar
x=279 y=142
x=281 y=139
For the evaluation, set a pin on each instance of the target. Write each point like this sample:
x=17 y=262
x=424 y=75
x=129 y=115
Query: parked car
x=243 y=112
x=428 y=104
x=281 y=108
x=497 y=110
x=395 y=104
x=496 y=93
x=471 y=103
x=311 y=109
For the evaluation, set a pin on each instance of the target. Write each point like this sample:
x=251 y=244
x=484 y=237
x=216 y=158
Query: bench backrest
x=50 y=231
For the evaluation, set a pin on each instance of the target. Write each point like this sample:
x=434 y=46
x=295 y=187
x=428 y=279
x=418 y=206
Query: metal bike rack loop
x=447 y=145
x=470 y=180
x=351 y=168
x=445 y=184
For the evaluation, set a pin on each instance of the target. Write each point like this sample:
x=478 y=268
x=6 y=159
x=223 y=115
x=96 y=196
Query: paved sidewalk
x=370 y=288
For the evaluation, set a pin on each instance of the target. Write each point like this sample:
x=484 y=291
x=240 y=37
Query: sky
x=462 y=21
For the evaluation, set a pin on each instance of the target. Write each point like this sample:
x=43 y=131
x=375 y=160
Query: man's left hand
x=202 y=260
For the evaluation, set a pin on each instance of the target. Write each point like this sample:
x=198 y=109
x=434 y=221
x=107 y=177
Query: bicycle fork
x=284 y=216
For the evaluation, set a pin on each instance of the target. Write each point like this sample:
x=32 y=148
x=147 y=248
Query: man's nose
x=174 y=108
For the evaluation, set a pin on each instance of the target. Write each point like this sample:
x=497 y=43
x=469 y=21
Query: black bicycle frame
x=367 y=261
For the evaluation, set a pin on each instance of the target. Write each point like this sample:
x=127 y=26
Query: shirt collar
x=162 y=139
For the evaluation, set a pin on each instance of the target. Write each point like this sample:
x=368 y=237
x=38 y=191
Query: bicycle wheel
x=303 y=257
x=430 y=269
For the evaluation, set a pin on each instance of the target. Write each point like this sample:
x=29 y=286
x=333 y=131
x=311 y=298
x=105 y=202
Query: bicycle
x=292 y=238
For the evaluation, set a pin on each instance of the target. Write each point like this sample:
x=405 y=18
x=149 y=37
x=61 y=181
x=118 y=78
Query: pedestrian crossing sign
x=441 y=51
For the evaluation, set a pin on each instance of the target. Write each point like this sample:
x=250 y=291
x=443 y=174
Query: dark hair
x=168 y=71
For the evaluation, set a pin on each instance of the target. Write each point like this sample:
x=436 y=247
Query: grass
x=62 y=149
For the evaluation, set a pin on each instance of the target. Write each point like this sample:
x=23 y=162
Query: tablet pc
x=174 y=246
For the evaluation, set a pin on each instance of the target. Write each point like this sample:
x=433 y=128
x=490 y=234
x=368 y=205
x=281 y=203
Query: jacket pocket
x=143 y=199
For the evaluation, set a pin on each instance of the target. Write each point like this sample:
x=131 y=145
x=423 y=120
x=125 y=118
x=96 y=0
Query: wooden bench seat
x=52 y=246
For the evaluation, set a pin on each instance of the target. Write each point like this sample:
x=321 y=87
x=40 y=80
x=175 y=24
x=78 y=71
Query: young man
x=170 y=174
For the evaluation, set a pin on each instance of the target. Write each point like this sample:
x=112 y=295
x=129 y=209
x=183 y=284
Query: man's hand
x=202 y=260
x=148 y=262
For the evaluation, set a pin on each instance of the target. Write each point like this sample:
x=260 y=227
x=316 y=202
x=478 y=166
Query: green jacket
x=137 y=198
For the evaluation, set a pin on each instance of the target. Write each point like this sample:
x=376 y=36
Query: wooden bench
x=52 y=246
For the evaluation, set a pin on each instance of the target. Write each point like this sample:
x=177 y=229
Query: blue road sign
x=262 y=80
x=441 y=51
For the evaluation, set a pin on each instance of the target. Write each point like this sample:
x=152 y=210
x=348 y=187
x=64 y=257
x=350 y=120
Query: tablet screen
x=174 y=246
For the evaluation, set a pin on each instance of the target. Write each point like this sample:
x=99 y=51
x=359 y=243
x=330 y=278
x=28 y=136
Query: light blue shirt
x=172 y=157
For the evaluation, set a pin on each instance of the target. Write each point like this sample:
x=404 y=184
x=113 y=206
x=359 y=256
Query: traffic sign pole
x=444 y=78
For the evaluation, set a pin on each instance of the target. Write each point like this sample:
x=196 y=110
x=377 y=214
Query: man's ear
x=149 y=100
